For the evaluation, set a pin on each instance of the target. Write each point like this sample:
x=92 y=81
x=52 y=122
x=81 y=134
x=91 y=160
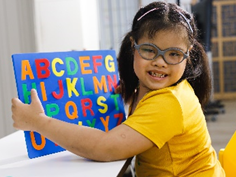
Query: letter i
x=43 y=91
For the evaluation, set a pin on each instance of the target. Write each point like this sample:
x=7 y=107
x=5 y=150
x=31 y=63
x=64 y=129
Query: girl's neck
x=138 y=95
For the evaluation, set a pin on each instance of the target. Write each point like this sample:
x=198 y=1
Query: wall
x=64 y=25
x=39 y=26
x=16 y=36
x=115 y=21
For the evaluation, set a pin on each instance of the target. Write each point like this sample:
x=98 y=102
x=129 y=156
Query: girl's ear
x=132 y=44
x=190 y=48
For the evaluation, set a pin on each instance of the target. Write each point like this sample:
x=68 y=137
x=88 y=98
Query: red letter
x=120 y=116
x=110 y=82
x=95 y=64
x=42 y=71
x=89 y=106
x=61 y=93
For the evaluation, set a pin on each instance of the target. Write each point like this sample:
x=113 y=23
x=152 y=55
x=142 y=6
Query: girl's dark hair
x=167 y=16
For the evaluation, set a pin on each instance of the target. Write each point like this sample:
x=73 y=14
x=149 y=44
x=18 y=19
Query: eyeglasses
x=171 y=56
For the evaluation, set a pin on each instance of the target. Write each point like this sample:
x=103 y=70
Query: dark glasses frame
x=161 y=52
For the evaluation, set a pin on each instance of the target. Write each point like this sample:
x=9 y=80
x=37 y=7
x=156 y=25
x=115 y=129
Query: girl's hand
x=27 y=116
x=118 y=89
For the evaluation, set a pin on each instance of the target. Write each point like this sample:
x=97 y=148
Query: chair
x=227 y=157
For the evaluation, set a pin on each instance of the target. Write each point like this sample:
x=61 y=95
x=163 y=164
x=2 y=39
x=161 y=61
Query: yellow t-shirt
x=173 y=120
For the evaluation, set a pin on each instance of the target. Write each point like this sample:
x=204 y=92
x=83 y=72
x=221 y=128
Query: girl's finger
x=15 y=101
x=34 y=96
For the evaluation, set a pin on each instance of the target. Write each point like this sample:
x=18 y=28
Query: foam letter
x=42 y=71
x=61 y=91
x=52 y=109
x=34 y=144
x=68 y=66
x=115 y=96
x=92 y=125
x=84 y=92
x=101 y=84
x=109 y=63
x=100 y=103
x=105 y=122
x=95 y=64
x=112 y=82
x=74 y=114
x=26 y=92
x=71 y=86
x=43 y=91
x=88 y=107
x=83 y=65
x=54 y=61
x=120 y=116
x=26 y=70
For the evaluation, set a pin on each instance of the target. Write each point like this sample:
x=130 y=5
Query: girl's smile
x=157 y=74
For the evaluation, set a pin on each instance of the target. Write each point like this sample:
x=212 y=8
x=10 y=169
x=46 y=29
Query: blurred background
x=65 y=25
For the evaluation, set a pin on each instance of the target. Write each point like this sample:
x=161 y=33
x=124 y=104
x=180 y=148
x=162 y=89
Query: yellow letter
x=71 y=86
x=100 y=103
x=109 y=63
x=54 y=61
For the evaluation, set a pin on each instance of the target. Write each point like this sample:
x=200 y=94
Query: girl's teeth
x=157 y=75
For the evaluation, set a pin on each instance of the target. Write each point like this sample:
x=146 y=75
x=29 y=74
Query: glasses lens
x=147 y=51
x=174 y=56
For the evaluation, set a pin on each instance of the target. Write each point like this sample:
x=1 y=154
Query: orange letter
x=26 y=70
x=43 y=91
x=101 y=84
x=34 y=144
x=105 y=122
x=74 y=114
x=83 y=65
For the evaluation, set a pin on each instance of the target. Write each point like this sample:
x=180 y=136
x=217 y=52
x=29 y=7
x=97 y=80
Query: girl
x=165 y=78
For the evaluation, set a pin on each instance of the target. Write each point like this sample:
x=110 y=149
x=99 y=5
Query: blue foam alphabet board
x=76 y=87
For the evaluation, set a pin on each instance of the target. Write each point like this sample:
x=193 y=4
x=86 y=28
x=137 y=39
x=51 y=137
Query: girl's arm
x=119 y=143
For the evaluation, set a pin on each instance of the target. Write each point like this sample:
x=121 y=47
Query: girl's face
x=157 y=74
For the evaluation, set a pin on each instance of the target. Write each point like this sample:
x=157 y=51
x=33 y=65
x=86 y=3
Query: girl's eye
x=175 y=54
x=148 y=49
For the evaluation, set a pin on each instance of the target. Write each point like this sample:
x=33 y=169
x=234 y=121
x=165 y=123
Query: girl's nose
x=159 y=62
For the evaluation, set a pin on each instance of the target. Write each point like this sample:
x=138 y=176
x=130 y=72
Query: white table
x=14 y=162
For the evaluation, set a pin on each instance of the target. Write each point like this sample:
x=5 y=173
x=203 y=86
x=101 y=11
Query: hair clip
x=147 y=13
x=187 y=21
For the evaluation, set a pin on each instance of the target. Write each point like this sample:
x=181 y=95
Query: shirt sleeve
x=158 y=116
